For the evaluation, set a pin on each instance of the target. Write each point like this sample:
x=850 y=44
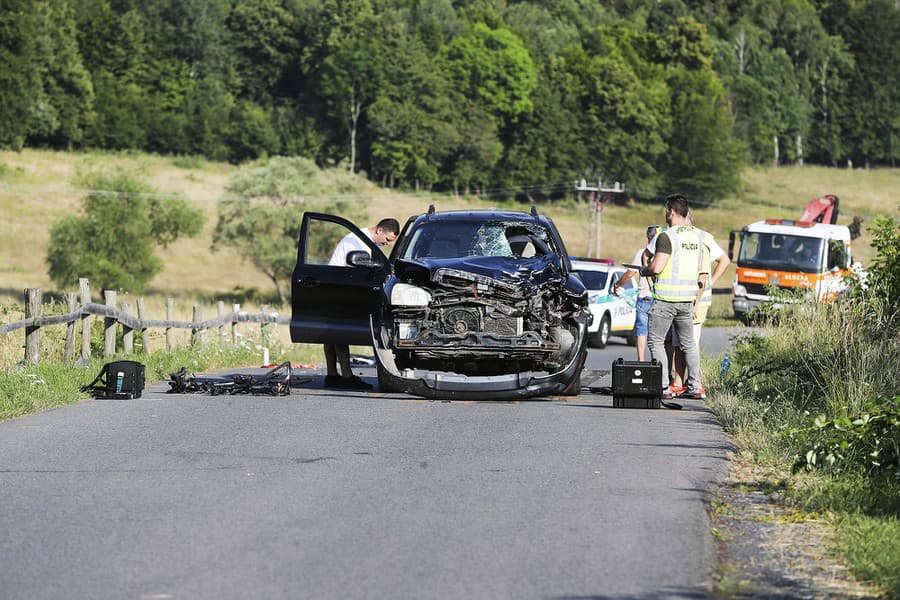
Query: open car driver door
x=329 y=303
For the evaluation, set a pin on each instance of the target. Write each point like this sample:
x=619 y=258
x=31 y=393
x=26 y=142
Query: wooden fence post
x=197 y=337
x=142 y=315
x=71 y=304
x=85 y=290
x=33 y=299
x=235 y=309
x=127 y=332
x=109 y=325
x=170 y=316
x=221 y=310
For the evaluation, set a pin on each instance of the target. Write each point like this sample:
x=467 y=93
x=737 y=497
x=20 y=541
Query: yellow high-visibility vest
x=678 y=280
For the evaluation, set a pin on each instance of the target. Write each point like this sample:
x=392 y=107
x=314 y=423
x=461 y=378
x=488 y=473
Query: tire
x=601 y=338
x=383 y=385
x=574 y=387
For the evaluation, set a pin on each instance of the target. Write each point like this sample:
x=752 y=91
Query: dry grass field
x=37 y=187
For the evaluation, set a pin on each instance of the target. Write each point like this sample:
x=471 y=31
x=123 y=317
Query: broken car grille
x=463 y=320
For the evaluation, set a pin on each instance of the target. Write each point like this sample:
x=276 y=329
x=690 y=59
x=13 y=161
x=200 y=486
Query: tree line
x=502 y=97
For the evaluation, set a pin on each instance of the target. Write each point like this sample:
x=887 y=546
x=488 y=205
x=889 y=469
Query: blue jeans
x=641 y=318
x=679 y=315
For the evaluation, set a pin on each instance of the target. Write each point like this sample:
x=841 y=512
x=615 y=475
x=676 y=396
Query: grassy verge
x=814 y=400
x=48 y=385
x=870 y=545
x=29 y=389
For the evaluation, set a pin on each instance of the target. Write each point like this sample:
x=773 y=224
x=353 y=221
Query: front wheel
x=384 y=385
x=601 y=338
x=574 y=387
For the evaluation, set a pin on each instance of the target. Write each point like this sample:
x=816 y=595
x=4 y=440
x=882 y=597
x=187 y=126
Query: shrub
x=884 y=272
x=867 y=442
x=112 y=243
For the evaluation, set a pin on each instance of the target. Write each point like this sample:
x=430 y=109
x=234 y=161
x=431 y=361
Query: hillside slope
x=37 y=187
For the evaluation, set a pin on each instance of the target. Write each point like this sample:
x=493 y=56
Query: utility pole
x=598 y=196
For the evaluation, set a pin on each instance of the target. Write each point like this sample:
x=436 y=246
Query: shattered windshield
x=461 y=239
x=781 y=252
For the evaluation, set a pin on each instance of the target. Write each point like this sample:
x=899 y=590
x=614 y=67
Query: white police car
x=613 y=315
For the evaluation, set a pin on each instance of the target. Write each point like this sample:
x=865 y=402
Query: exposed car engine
x=520 y=317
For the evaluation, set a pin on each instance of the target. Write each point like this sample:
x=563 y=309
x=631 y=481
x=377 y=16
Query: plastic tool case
x=636 y=384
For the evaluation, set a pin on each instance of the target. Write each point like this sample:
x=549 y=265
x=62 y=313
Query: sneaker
x=354 y=383
x=332 y=381
x=676 y=390
x=698 y=395
x=667 y=395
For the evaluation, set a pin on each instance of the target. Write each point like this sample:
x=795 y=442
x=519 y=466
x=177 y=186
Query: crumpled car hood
x=501 y=271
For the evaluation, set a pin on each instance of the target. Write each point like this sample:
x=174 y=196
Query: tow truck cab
x=791 y=255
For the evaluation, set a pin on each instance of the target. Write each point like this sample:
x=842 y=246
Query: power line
x=486 y=193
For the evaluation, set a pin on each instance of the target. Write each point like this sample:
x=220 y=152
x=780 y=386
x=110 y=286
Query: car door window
x=615 y=276
x=324 y=238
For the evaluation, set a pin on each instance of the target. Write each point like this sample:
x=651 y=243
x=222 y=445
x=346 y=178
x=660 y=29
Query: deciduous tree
x=261 y=211
x=113 y=241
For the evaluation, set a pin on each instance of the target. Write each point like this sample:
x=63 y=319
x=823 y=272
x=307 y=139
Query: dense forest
x=497 y=96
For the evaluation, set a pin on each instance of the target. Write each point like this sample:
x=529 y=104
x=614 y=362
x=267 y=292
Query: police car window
x=613 y=277
x=594 y=280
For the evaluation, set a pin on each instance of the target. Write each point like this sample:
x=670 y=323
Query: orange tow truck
x=811 y=253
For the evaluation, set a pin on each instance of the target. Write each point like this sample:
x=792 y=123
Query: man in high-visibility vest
x=676 y=266
x=716 y=255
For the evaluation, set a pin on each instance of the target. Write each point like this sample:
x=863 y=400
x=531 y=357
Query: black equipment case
x=120 y=380
x=636 y=384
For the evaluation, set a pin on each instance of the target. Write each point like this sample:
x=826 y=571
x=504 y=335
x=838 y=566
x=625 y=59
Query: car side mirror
x=361 y=258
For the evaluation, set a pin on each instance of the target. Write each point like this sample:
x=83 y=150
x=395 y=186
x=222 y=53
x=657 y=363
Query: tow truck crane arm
x=821 y=210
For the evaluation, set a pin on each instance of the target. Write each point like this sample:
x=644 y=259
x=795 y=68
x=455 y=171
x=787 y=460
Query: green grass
x=866 y=517
x=838 y=361
x=872 y=546
x=35 y=388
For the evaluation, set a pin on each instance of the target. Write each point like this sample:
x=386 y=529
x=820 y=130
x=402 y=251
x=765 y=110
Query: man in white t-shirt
x=644 y=296
x=382 y=234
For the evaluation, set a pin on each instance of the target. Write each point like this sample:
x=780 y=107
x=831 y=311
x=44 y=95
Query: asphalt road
x=327 y=494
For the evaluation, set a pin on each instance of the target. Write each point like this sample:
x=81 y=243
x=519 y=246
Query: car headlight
x=405 y=294
x=593 y=298
x=739 y=290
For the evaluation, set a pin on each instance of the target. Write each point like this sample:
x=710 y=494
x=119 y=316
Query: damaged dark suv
x=470 y=304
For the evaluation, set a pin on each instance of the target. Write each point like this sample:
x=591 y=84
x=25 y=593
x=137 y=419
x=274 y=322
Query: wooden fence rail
x=124 y=316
